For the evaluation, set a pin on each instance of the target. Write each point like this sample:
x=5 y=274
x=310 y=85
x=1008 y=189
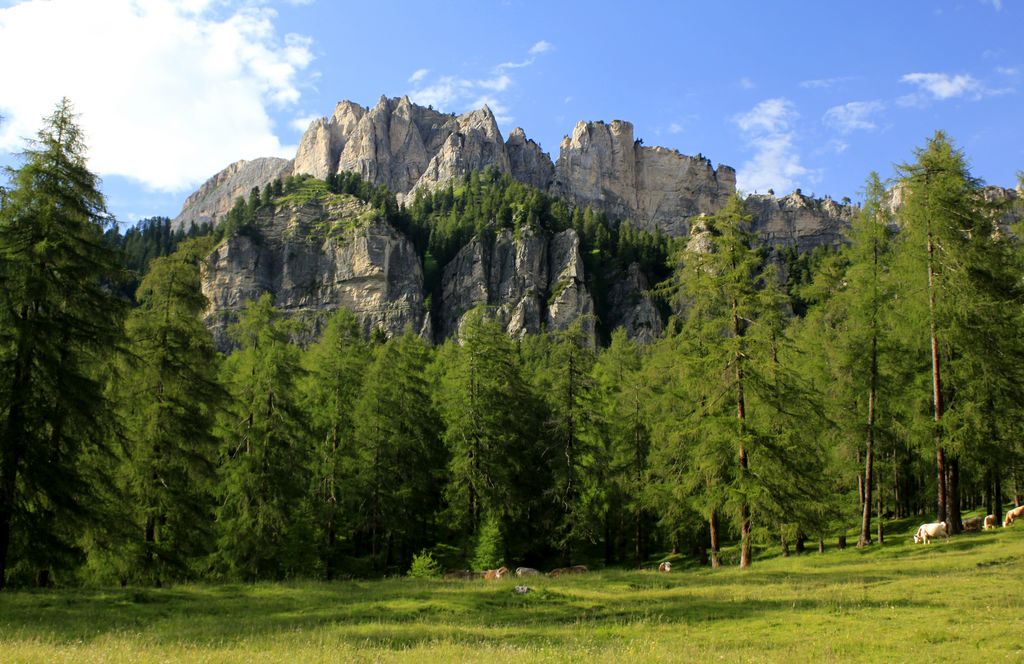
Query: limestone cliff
x=401 y=145
x=798 y=220
x=216 y=196
x=532 y=282
x=316 y=257
x=603 y=166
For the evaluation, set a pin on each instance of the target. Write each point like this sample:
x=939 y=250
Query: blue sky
x=811 y=95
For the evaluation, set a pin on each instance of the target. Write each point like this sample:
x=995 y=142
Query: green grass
x=960 y=601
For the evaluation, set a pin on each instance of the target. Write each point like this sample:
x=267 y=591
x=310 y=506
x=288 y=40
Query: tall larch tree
x=59 y=321
x=330 y=388
x=168 y=398
x=263 y=520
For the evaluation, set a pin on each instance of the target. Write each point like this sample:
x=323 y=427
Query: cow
x=665 y=567
x=973 y=523
x=460 y=575
x=990 y=522
x=526 y=571
x=495 y=574
x=927 y=531
x=575 y=569
x=1013 y=515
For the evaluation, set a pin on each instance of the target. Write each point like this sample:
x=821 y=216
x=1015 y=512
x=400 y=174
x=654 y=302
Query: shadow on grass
x=390 y=615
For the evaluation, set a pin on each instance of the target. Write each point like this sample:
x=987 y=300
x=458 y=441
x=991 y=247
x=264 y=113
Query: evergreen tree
x=169 y=394
x=263 y=520
x=625 y=440
x=399 y=456
x=59 y=322
x=962 y=283
x=334 y=374
x=571 y=430
x=489 y=415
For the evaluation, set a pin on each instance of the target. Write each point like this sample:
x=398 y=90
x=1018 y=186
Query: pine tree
x=169 y=394
x=263 y=521
x=334 y=374
x=954 y=253
x=399 y=453
x=490 y=428
x=625 y=438
x=59 y=322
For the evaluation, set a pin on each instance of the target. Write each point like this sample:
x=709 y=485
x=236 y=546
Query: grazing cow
x=973 y=523
x=927 y=531
x=460 y=574
x=575 y=569
x=1013 y=515
x=990 y=521
x=526 y=571
x=665 y=567
x=495 y=574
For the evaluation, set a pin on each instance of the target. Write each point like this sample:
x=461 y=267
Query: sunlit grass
x=954 y=601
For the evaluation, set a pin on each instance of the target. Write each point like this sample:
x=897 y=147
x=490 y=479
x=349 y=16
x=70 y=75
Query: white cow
x=990 y=522
x=665 y=567
x=526 y=571
x=1013 y=515
x=927 y=531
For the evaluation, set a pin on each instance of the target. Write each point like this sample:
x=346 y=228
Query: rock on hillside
x=603 y=166
x=217 y=195
x=532 y=282
x=316 y=257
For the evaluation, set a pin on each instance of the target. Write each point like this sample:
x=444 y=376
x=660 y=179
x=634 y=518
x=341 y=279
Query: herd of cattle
x=925 y=534
x=929 y=531
x=502 y=572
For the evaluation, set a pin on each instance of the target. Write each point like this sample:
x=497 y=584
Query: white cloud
x=302 y=123
x=944 y=86
x=464 y=94
x=852 y=116
x=418 y=75
x=540 y=47
x=675 y=128
x=746 y=83
x=1008 y=71
x=168 y=92
x=776 y=162
x=771 y=115
x=820 y=83
x=998 y=4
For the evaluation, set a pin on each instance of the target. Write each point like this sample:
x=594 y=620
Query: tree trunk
x=998 y=497
x=880 y=525
x=869 y=451
x=716 y=562
x=821 y=545
x=841 y=542
x=785 y=546
x=940 y=456
x=953 y=499
x=741 y=415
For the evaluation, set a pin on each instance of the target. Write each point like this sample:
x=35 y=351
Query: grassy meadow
x=961 y=600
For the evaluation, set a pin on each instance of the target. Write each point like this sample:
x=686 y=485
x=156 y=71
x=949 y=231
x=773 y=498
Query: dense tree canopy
x=792 y=396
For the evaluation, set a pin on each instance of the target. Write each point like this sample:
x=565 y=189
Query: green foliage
x=59 y=325
x=488 y=553
x=263 y=521
x=424 y=566
x=168 y=396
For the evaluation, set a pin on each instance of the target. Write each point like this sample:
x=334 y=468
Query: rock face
x=529 y=164
x=217 y=195
x=603 y=166
x=630 y=307
x=401 y=145
x=316 y=258
x=798 y=220
x=531 y=282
